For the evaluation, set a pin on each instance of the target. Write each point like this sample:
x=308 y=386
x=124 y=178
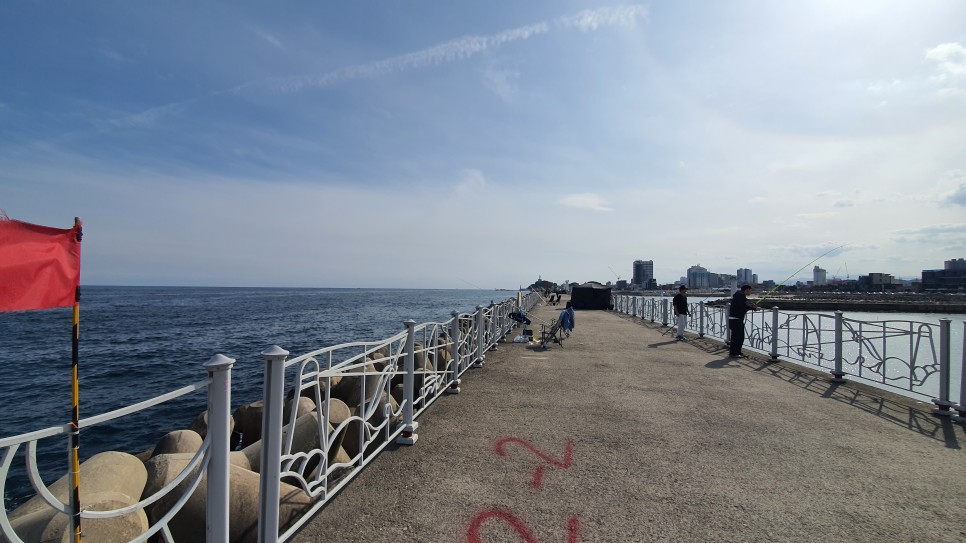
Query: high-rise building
x=819 y=276
x=698 y=277
x=952 y=277
x=745 y=276
x=643 y=272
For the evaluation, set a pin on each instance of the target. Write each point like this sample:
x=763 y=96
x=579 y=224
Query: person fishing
x=680 y=302
x=736 y=319
x=567 y=319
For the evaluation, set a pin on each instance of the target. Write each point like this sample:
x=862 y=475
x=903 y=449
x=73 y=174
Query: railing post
x=961 y=408
x=219 y=432
x=727 y=323
x=492 y=326
x=942 y=402
x=701 y=320
x=837 y=373
x=408 y=436
x=480 y=339
x=774 y=332
x=454 y=336
x=664 y=311
x=271 y=463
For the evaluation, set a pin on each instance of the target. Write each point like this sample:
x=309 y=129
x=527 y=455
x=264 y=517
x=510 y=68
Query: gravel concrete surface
x=667 y=441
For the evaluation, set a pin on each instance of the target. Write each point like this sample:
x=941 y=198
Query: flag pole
x=75 y=507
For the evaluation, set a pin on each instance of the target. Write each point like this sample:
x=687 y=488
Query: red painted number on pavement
x=538 y=471
x=473 y=534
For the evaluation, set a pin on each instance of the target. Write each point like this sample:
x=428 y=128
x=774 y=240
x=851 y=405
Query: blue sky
x=481 y=144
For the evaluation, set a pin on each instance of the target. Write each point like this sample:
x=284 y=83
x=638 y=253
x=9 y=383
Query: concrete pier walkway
x=623 y=434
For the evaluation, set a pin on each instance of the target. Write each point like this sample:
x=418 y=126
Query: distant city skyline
x=819 y=276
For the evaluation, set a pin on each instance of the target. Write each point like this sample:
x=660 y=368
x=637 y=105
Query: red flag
x=39 y=265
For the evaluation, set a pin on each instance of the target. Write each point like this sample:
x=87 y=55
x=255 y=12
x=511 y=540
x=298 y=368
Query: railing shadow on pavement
x=904 y=412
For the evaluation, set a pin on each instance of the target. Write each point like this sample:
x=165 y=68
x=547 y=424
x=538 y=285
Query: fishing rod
x=471 y=284
x=779 y=285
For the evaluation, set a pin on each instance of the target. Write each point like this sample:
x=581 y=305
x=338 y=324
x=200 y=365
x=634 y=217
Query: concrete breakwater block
x=109 y=480
x=187 y=441
x=306 y=438
x=248 y=422
x=249 y=418
x=305 y=405
x=350 y=389
x=188 y=524
x=178 y=441
x=350 y=441
x=118 y=529
x=200 y=425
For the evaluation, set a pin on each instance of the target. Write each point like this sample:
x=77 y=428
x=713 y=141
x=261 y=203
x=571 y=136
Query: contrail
x=458 y=49
x=451 y=51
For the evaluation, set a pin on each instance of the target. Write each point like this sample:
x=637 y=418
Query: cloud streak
x=458 y=49
x=586 y=200
x=452 y=51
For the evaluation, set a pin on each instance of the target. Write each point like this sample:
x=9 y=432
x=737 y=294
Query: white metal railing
x=211 y=459
x=390 y=383
x=916 y=359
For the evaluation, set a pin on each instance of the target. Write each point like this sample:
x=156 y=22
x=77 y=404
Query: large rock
x=187 y=526
x=106 y=479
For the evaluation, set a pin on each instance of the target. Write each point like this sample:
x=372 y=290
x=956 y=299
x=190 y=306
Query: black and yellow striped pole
x=75 y=507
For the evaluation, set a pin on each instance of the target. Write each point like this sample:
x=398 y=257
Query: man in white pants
x=680 y=303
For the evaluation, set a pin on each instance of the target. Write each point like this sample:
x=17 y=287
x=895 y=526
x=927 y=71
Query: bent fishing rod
x=779 y=285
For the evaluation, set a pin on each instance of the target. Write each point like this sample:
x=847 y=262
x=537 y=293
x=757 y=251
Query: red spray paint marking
x=539 y=470
x=473 y=534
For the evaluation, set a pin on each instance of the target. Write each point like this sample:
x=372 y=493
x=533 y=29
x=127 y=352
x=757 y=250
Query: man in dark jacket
x=736 y=319
x=680 y=303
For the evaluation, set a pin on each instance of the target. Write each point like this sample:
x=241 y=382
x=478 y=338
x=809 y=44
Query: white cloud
x=451 y=51
x=471 y=182
x=586 y=200
x=592 y=19
x=937 y=233
x=112 y=54
x=816 y=216
x=460 y=48
x=501 y=82
x=950 y=59
x=266 y=36
x=957 y=196
x=843 y=203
